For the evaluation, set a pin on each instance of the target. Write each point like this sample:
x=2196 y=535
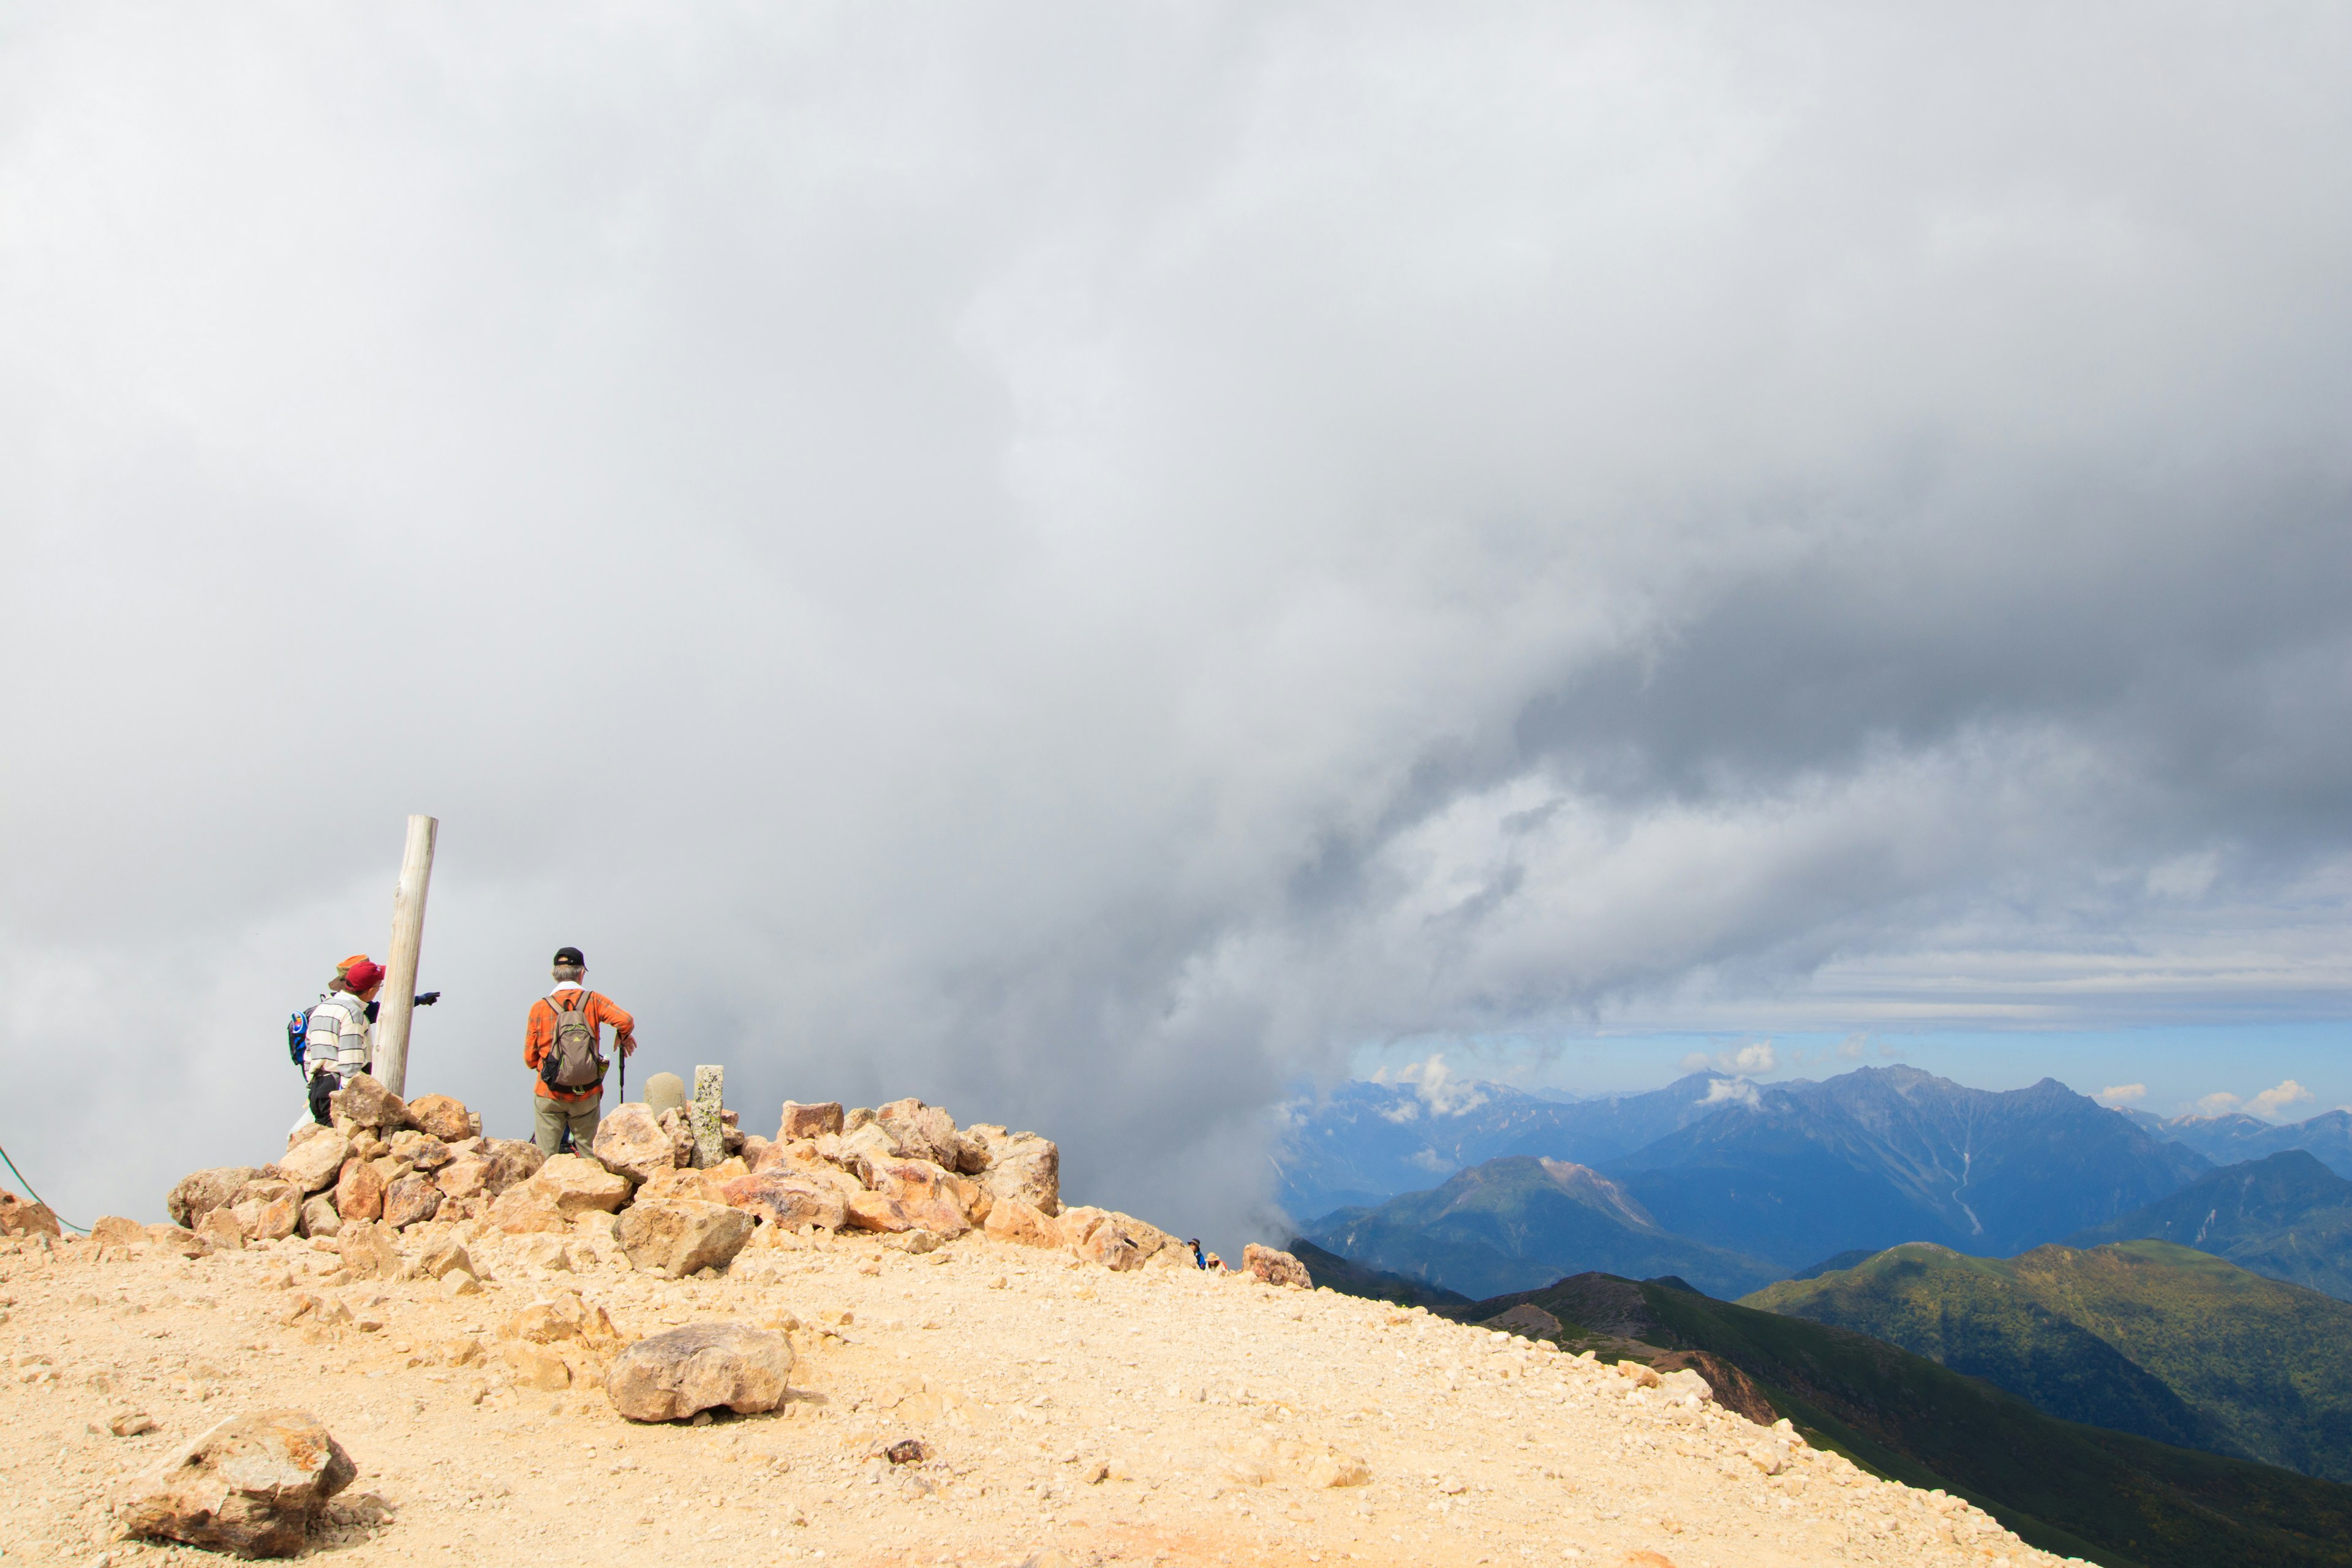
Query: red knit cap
x=364 y=977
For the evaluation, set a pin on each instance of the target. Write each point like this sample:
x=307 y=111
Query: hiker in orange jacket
x=562 y=1045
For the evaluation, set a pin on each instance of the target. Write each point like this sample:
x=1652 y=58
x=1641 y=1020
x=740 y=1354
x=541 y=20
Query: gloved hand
x=426 y=998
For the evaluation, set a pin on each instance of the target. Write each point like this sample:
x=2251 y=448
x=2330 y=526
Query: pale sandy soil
x=1209 y=1398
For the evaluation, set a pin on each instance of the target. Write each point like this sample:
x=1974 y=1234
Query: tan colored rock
x=463 y=1178
x=319 y=1217
x=673 y=1237
x=1275 y=1268
x=526 y=1210
x=367 y=1250
x=787 y=1201
x=678 y=1123
x=686 y=1183
x=22 y=1216
x=753 y=1147
x=365 y=1103
x=177 y=1238
x=812 y=1121
x=315 y=1159
x=442 y=1117
x=269 y=1210
x=359 y=1193
x=253 y=1485
x=633 y=1143
x=221 y=1231
x=1100 y=1236
x=419 y=1150
x=1010 y=1219
x=537 y=1367
x=936 y=1199
x=920 y=1131
x=859 y=1148
x=410 y=1200
x=872 y=1211
x=562 y=1318
x=113 y=1230
x=706 y=1366
x=575 y=1183
x=200 y=1192
x=1022 y=1165
x=512 y=1160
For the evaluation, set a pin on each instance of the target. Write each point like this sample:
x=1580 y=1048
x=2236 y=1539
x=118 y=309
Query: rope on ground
x=36 y=1196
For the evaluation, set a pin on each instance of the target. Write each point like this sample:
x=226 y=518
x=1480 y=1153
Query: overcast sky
x=1085 y=562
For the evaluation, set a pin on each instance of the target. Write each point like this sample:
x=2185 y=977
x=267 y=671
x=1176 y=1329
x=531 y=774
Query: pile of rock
x=904 y=1171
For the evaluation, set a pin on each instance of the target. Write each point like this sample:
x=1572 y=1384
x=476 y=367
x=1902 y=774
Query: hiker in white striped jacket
x=337 y=1045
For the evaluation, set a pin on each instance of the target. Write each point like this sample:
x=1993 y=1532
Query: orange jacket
x=539 y=1038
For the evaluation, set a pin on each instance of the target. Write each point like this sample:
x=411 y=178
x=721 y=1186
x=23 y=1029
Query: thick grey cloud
x=1083 y=562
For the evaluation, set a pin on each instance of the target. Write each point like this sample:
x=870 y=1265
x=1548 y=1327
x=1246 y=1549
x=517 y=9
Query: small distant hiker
x=563 y=1046
x=1199 y=1258
x=336 y=1035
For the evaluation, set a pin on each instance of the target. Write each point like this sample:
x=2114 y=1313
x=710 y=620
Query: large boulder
x=511 y=1159
x=367 y=1250
x=113 y=1230
x=933 y=1198
x=365 y=1103
x=632 y=1141
x=420 y=1151
x=702 y=1367
x=443 y=1116
x=872 y=1211
x=526 y=1210
x=463 y=1178
x=252 y=1486
x=685 y=1183
x=786 y=1201
x=1021 y=1165
x=21 y=1216
x=411 y=1200
x=200 y=1192
x=1275 y=1268
x=808 y=1121
x=315 y=1158
x=576 y=1184
x=921 y=1131
x=1010 y=1219
x=319 y=1217
x=359 y=1191
x=673 y=1237
x=268 y=1209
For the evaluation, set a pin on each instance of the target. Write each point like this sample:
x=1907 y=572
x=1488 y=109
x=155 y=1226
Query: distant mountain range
x=1365 y=1143
x=2078 y=1490
x=2141 y=1336
x=1755 y=1185
x=2287 y=1216
x=2236 y=1138
x=1514 y=1222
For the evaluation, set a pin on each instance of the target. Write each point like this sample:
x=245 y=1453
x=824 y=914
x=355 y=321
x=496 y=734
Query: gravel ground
x=1069 y=1414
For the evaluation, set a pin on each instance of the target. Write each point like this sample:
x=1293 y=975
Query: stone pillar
x=709 y=1132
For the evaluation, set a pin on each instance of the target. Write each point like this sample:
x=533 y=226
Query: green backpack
x=572 y=1062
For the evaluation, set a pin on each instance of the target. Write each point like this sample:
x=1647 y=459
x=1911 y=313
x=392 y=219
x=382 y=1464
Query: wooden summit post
x=400 y=970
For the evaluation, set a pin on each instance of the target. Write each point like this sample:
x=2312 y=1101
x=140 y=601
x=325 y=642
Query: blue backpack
x=298 y=1036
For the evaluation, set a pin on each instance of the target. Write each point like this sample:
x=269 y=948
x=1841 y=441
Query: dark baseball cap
x=570 y=955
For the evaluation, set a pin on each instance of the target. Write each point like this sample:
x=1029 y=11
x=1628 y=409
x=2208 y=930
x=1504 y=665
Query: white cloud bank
x=1082 y=564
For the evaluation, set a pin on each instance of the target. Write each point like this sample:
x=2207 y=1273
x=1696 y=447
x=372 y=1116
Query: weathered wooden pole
x=400 y=970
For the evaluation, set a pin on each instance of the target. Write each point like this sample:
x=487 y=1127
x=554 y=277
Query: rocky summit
x=876 y=1338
